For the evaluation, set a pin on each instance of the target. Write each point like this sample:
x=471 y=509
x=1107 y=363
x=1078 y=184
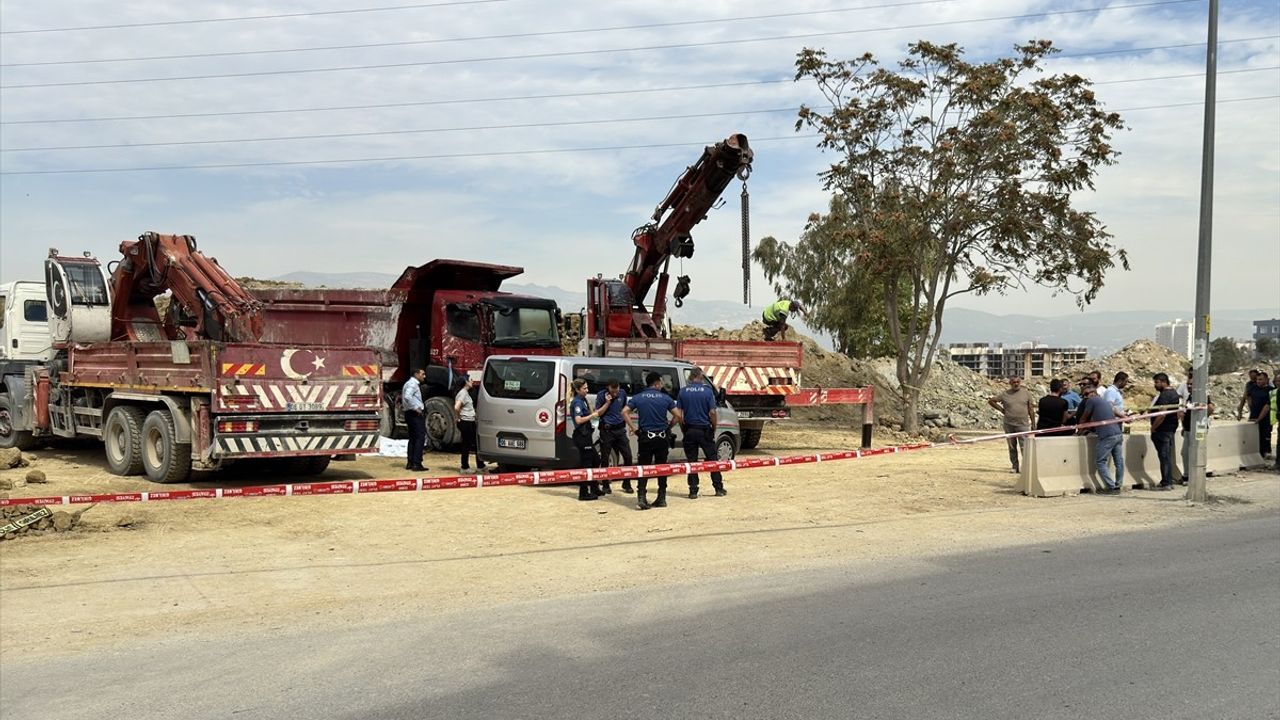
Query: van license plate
x=512 y=443
x=305 y=407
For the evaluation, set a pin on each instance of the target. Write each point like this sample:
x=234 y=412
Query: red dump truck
x=446 y=316
x=88 y=354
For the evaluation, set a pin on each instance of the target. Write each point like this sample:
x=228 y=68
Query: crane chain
x=746 y=245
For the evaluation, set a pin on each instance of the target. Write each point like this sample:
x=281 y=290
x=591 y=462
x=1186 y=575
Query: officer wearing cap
x=646 y=414
x=697 y=403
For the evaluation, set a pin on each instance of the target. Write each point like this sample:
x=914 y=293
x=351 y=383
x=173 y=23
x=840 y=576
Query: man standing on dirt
x=415 y=417
x=1110 y=438
x=464 y=409
x=1052 y=410
x=697 y=402
x=1244 y=397
x=1163 y=428
x=775 y=317
x=646 y=415
x=1015 y=404
x=613 y=428
x=1260 y=410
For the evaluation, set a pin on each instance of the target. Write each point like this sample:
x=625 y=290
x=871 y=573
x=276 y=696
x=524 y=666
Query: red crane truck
x=87 y=354
x=446 y=316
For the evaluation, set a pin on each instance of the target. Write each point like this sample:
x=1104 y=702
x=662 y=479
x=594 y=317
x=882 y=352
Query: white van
x=521 y=416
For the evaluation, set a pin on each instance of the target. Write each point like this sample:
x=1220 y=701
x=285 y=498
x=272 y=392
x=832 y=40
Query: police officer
x=775 y=317
x=646 y=415
x=697 y=403
x=582 y=415
x=613 y=428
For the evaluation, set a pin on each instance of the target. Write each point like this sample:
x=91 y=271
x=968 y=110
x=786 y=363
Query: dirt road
x=221 y=567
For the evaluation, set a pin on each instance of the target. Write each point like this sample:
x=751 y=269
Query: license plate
x=512 y=443
x=305 y=407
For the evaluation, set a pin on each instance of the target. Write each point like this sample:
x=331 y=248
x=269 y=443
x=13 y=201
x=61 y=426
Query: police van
x=522 y=414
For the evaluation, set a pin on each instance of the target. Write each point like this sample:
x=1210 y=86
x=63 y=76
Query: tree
x=843 y=301
x=1268 y=348
x=1225 y=356
x=957 y=178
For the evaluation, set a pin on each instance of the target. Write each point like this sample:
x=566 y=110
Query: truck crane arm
x=206 y=299
x=692 y=196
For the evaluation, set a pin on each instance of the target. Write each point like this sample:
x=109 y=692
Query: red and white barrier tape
x=545 y=477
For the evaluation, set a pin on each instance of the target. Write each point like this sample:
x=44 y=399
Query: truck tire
x=725 y=449
x=122 y=439
x=442 y=431
x=164 y=459
x=315 y=465
x=11 y=437
x=750 y=438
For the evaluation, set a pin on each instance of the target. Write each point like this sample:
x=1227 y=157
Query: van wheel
x=751 y=438
x=11 y=437
x=122 y=438
x=442 y=431
x=164 y=459
x=725 y=449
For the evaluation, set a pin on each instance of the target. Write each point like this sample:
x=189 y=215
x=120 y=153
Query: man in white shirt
x=1112 y=393
x=416 y=418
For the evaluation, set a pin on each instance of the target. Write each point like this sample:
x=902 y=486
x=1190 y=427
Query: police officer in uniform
x=582 y=415
x=697 y=403
x=613 y=429
x=775 y=317
x=646 y=415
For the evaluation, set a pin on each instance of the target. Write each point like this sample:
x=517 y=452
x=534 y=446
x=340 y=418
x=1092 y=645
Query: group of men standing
x=650 y=415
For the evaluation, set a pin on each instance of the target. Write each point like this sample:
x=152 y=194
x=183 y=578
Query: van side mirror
x=720 y=396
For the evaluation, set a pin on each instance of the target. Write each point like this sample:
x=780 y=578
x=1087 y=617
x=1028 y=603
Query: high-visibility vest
x=771 y=312
x=1275 y=413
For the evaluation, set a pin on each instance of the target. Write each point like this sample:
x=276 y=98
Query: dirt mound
x=31 y=520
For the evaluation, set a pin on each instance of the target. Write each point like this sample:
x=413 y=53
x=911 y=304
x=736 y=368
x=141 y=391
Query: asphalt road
x=1174 y=624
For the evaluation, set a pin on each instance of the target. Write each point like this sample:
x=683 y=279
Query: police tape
x=531 y=478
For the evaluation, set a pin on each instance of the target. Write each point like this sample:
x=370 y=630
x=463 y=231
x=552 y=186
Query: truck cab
x=24 y=322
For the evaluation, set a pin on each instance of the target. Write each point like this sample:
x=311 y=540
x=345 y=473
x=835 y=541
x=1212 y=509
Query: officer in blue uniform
x=613 y=429
x=647 y=416
x=697 y=403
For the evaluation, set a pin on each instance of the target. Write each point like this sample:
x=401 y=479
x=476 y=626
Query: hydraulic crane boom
x=207 y=302
x=694 y=194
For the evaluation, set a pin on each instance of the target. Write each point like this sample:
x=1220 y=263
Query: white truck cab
x=24 y=322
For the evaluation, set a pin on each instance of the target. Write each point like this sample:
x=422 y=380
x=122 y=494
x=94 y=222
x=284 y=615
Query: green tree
x=844 y=301
x=958 y=179
x=1268 y=349
x=1225 y=356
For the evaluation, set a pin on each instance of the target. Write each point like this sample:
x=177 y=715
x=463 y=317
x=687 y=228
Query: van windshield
x=518 y=379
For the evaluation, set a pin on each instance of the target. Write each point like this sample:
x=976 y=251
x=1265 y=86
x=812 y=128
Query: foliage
x=1268 y=349
x=957 y=178
x=1225 y=356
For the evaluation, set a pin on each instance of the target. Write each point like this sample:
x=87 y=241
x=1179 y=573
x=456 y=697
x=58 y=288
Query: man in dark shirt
x=1163 y=428
x=613 y=429
x=646 y=416
x=1259 y=394
x=1052 y=410
x=697 y=401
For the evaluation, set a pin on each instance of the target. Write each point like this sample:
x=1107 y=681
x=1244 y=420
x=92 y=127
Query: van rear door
x=519 y=410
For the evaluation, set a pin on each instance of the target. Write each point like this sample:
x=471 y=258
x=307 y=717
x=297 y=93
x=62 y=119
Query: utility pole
x=1197 y=484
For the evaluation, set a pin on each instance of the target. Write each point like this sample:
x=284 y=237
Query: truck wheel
x=442 y=431
x=387 y=422
x=122 y=438
x=750 y=438
x=164 y=459
x=724 y=447
x=315 y=465
x=11 y=437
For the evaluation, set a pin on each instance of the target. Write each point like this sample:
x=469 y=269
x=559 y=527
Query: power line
x=416 y=131
x=550 y=96
x=578 y=53
x=279 y=16
x=492 y=153
x=509 y=126
x=508 y=36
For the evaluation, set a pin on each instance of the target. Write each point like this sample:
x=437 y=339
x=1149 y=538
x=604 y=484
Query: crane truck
x=90 y=354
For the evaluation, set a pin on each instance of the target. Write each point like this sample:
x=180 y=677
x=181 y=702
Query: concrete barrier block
x=1228 y=447
x=1061 y=466
x=1141 y=462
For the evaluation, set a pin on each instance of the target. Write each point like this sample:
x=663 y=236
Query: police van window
x=35 y=311
x=668 y=377
x=464 y=323
x=598 y=377
x=518 y=379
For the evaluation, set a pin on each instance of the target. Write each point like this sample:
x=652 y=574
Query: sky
x=475 y=130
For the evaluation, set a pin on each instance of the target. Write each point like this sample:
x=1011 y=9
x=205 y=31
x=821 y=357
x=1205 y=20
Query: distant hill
x=1101 y=332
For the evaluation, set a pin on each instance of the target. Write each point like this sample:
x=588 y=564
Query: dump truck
x=163 y=361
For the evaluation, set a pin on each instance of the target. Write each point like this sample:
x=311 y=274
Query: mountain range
x=1101 y=332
